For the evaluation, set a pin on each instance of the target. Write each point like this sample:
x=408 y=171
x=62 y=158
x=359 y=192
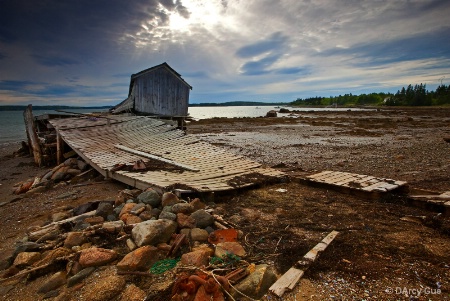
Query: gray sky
x=79 y=52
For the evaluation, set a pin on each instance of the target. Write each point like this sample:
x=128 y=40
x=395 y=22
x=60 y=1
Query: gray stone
x=209 y=229
x=111 y=217
x=82 y=165
x=167 y=208
x=145 y=215
x=80 y=276
x=150 y=197
x=138 y=209
x=153 y=232
x=156 y=212
x=257 y=284
x=118 y=209
x=202 y=218
x=55 y=281
x=104 y=209
x=182 y=208
x=167 y=215
x=27 y=246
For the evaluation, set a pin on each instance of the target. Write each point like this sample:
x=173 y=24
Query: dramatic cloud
x=84 y=52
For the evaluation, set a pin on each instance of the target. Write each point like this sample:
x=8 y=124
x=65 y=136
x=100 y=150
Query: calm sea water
x=12 y=127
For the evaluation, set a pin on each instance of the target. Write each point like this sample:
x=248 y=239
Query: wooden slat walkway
x=356 y=182
x=106 y=143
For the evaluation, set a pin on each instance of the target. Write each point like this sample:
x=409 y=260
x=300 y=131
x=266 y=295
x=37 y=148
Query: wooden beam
x=33 y=139
x=150 y=156
x=290 y=279
x=59 y=148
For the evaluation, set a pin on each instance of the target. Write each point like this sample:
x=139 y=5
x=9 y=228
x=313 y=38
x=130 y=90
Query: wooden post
x=33 y=139
x=59 y=148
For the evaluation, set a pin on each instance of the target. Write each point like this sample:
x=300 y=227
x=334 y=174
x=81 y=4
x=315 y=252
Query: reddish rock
x=225 y=248
x=94 y=220
x=185 y=221
x=197 y=204
x=169 y=199
x=132 y=219
x=139 y=260
x=133 y=293
x=250 y=215
x=25 y=259
x=146 y=215
x=74 y=239
x=198 y=258
x=96 y=257
x=126 y=208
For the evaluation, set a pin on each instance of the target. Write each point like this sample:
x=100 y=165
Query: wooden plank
x=146 y=155
x=290 y=279
x=321 y=175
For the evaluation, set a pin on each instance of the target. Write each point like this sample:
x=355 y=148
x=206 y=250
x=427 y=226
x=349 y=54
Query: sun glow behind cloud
x=173 y=25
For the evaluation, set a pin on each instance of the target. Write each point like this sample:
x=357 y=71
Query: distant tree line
x=416 y=95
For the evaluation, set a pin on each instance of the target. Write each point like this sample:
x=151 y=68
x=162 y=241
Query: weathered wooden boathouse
x=144 y=151
x=159 y=91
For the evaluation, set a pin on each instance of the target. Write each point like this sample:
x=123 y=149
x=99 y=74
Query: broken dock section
x=113 y=144
x=355 y=183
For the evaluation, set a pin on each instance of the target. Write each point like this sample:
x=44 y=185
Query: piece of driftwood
x=290 y=279
x=150 y=156
x=33 y=139
x=39 y=268
x=35 y=235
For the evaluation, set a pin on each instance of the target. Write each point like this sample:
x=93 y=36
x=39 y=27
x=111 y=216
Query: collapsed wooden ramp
x=182 y=161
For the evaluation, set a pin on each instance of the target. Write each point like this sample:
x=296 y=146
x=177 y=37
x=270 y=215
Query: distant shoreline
x=211 y=104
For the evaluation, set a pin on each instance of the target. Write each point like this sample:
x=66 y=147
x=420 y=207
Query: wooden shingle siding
x=160 y=92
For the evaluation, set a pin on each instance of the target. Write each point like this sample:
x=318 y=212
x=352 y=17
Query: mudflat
x=377 y=254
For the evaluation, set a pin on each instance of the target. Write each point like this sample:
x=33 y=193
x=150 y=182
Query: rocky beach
x=387 y=249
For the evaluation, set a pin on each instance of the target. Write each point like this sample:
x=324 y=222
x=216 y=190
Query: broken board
x=289 y=280
x=351 y=182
